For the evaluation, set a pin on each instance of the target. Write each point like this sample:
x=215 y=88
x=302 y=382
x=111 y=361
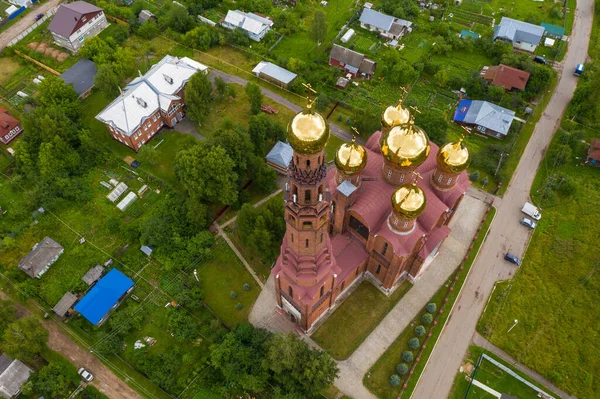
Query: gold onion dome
x=409 y=201
x=454 y=157
x=351 y=158
x=405 y=145
x=395 y=115
x=308 y=132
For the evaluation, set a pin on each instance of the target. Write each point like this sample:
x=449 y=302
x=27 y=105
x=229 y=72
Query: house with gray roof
x=279 y=157
x=274 y=74
x=81 y=76
x=485 y=117
x=255 y=25
x=75 y=22
x=65 y=304
x=13 y=374
x=146 y=15
x=352 y=62
x=41 y=257
x=522 y=35
x=93 y=275
x=388 y=27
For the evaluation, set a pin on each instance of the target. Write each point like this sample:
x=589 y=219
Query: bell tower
x=306 y=270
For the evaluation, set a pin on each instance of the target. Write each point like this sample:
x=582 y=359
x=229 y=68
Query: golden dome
x=351 y=158
x=308 y=132
x=454 y=157
x=405 y=145
x=409 y=201
x=395 y=115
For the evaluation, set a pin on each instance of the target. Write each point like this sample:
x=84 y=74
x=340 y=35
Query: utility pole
x=499 y=163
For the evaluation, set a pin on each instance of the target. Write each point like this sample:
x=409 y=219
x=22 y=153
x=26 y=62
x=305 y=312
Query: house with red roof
x=593 y=155
x=9 y=127
x=504 y=76
x=75 y=22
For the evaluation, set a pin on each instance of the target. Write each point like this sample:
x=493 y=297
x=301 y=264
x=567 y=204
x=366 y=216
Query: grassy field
x=377 y=379
x=355 y=318
x=494 y=377
x=552 y=301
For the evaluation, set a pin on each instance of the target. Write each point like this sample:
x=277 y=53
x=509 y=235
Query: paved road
x=58 y=340
x=505 y=234
x=335 y=129
x=25 y=22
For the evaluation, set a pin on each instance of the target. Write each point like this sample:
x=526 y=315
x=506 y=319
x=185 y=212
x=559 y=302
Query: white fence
x=27 y=31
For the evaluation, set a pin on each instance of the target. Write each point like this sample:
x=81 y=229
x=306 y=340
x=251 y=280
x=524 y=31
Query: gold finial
x=354 y=135
x=312 y=91
x=411 y=118
x=417 y=176
x=401 y=99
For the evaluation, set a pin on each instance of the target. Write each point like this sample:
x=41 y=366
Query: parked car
x=578 y=70
x=528 y=223
x=39 y=16
x=540 y=60
x=85 y=374
x=512 y=259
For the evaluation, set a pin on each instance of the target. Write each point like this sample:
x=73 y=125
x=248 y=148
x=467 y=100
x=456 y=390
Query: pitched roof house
x=9 y=127
x=279 y=157
x=13 y=374
x=64 y=304
x=593 y=155
x=81 y=76
x=145 y=15
x=93 y=275
x=256 y=26
x=388 y=26
x=504 y=76
x=488 y=118
x=352 y=62
x=522 y=35
x=150 y=102
x=274 y=73
x=41 y=257
x=74 y=22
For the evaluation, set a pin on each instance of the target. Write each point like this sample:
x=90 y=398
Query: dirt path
x=26 y=22
x=58 y=340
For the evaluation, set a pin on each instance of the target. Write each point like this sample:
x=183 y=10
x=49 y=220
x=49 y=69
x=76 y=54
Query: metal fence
x=27 y=31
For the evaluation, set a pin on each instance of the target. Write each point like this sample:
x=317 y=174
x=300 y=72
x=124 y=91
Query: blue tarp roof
x=103 y=296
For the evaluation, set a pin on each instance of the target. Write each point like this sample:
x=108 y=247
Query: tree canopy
x=318 y=28
x=24 y=338
x=198 y=94
x=255 y=97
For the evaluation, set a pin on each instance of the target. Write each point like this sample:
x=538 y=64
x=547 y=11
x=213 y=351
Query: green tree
x=24 y=338
x=407 y=356
x=402 y=369
x=264 y=177
x=431 y=307
x=7 y=314
x=426 y=319
x=120 y=33
x=237 y=144
x=54 y=92
x=414 y=343
x=178 y=19
x=55 y=380
x=198 y=94
x=263 y=130
x=224 y=91
x=395 y=380
x=107 y=80
x=255 y=97
x=318 y=28
x=434 y=123
x=420 y=331
x=207 y=173
x=182 y=325
x=148 y=30
x=148 y=155
x=495 y=93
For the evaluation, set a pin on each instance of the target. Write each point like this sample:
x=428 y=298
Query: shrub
x=474 y=176
x=233 y=294
x=340 y=118
x=402 y=369
x=407 y=356
x=395 y=380
x=414 y=343
x=246 y=287
x=426 y=319
x=420 y=331
x=484 y=181
x=239 y=306
x=431 y=307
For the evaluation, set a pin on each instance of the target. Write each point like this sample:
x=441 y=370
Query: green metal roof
x=553 y=30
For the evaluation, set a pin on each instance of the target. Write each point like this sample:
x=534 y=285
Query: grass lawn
x=556 y=289
x=8 y=66
x=223 y=274
x=377 y=379
x=355 y=318
x=494 y=377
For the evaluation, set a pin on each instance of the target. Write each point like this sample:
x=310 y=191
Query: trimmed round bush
x=426 y=319
x=420 y=331
x=233 y=294
x=395 y=380
x=246 y=287
x=407 y=356
x=414 y=343
x=402 y=369
x=239 y=306
x=431 y=307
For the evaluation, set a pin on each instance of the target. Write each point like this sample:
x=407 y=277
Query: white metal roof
x=377 y=19
x=249 y=22
x=146 y=94
x=125 y=202
x=274 y=71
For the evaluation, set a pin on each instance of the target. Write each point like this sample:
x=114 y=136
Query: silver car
x=528 y=223
x=85 y=374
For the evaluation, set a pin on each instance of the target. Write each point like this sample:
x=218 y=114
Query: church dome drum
x=351 y=158
x=405 y=145
x=409 y=201
x=308 y=132
x=454 y=157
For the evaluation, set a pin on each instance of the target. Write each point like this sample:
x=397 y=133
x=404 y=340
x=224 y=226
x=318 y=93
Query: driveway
x=505 y=233
x=25 y=22
x=334 y=129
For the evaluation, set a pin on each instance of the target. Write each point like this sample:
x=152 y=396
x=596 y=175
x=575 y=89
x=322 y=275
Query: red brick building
x=369 y=218
x=9 y=127
x=150 y=102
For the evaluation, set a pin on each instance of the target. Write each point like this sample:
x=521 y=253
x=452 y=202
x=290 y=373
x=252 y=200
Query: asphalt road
x=506 y=234
x=25 y=22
